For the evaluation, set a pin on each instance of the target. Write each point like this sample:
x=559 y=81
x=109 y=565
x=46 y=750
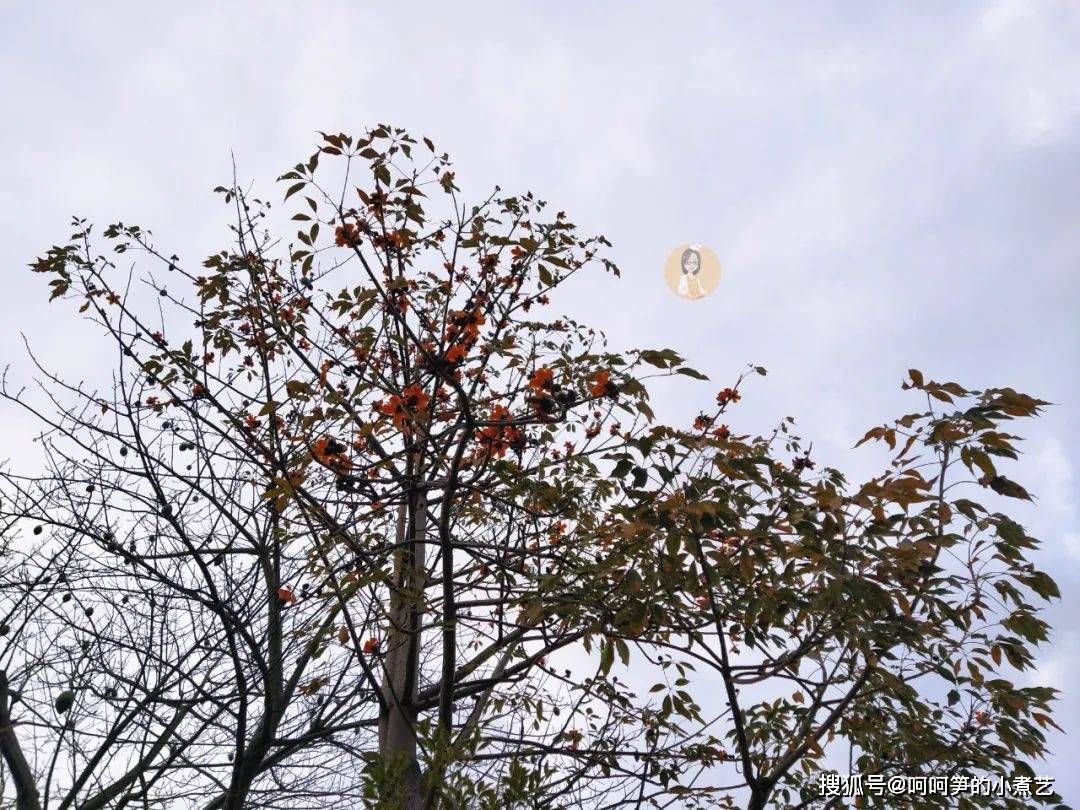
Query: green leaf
x=689 y=372
x=298 y=389
x=1010 y=489
x=607 y=656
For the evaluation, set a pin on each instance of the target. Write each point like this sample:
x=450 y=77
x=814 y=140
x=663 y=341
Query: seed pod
x=64 y=701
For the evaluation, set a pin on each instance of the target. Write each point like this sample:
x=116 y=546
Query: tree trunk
x=397 y=719
x=26 y=792
x=758 y=798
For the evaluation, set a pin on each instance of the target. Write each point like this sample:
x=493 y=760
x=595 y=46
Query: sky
x=887 y=186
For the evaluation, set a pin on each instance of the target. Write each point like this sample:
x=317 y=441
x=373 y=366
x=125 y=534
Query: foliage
x=356 y=524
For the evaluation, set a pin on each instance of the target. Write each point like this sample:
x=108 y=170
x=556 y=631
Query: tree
x=354 y=524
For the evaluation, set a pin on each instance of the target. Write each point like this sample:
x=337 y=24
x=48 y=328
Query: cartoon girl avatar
x=689 y=277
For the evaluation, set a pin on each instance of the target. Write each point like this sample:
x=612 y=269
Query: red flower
x=413 y=402
x=347 y=235
x=416 y=399
x=331 y=453
x=456 y=353
x=541 y=379
x=726 y=396
x=370 y=645
x=556 y=532
x=602 y=386
x=465 y=325
x=495 y=440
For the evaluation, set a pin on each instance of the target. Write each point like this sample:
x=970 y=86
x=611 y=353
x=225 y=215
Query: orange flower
x=456 y=353
x=601 y=385
x=413 y=401
x=465 y=323
x=347 y=235
x=331 y=452
x=495 y=440
x=416 y=399
x=556 y=532
x=727 y=395
x=541 y=379
x=390 y=408
x=488 y=438
x=286 y=596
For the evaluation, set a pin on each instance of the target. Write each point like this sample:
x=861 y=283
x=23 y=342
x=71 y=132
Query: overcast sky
x=886 y=185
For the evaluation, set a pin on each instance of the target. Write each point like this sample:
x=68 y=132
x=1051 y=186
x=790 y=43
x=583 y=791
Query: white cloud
x=1071 y=542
